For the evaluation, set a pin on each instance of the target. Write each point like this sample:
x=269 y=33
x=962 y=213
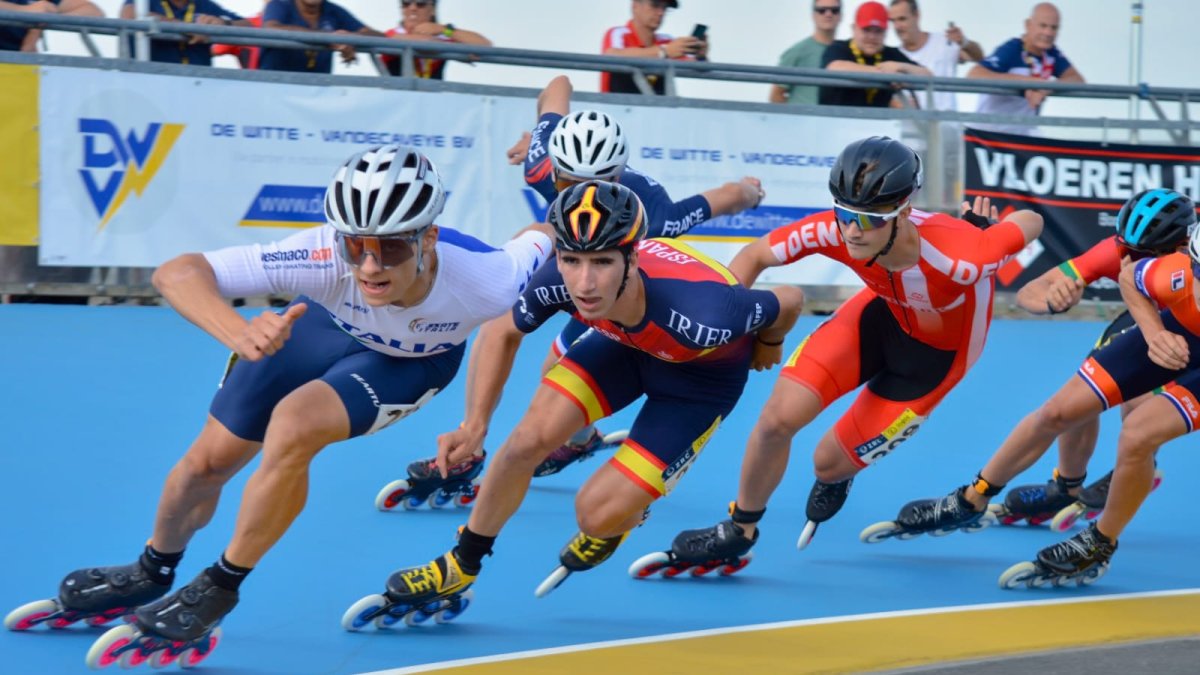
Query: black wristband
x=769 y=344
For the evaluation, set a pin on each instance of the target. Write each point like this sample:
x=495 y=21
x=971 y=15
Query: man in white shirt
x=941 y=55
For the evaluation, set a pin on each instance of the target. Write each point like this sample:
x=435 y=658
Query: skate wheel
x=701 y=570
x=726 y=570
x=1088 y=578
x=1066 y=518
x=132 y=658
x=438 y=498
x=1018 y=575
x=806 y=535
x=552 y=582
x=873 y=534
x=649 y=564
x=416 y=617
x=616 y=438
x=391 y=495
x=30 y=614
x=192 y=656
x=455 y=608
x=1158 y=479
x=987 y=520
x=465 y=499
x=411 y=503
x=164 y=657
x=363 y=612
x=107 y=649
x=102 y=619
x=1092 y=515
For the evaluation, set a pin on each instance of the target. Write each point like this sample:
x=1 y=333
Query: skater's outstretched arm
x=488 y=368
x=190 y=285
x=752 y=260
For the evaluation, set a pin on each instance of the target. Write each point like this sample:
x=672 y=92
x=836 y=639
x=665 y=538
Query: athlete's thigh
x=377 y=390
x=684 y=406
x=1122 y=370
x=835 y=359
x=250 y=390
x=598 y=375
x=1184 y=396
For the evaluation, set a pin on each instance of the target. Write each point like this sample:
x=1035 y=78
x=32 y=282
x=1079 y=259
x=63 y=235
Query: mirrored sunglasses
x=865 y=220
x=388 y=251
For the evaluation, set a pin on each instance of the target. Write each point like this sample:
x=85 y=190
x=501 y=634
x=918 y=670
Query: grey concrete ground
x=1160 y=657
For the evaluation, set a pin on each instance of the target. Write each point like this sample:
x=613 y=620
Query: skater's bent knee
x=1136 y=445
x=1054 y=418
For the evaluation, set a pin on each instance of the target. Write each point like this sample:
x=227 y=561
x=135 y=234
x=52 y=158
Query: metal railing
x=19 y=273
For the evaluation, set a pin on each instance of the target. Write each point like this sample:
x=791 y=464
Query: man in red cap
x=865 y=53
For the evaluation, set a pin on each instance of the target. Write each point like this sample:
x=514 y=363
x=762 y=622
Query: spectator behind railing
x=418 y=22
x=807 y=53
x=195 y=51
x=18 y=39
x=1031 y=58
x=314 y=16
x=939 y=54
x=865 y=53
x=640 y=38
x=247 y=55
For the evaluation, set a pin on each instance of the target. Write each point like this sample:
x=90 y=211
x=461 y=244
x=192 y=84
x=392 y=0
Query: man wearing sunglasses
x=910 y=336
x=1162 y=297
x=807 y=53
x=670 y=324
x=1162 y=351
x=385 y=300
x=418 y=22
x=568 y=148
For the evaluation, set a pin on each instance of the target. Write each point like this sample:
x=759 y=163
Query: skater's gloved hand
x=1064 y=293
x=1169 y=350
x=981 y=213
x=456 y=447
x=265 y=334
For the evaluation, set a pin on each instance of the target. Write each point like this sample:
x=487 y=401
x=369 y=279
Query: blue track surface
x=98 y=403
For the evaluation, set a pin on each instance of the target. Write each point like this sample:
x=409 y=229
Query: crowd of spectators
x=1032 y=57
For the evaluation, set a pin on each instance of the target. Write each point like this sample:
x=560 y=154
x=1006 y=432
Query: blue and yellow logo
x=130 y=162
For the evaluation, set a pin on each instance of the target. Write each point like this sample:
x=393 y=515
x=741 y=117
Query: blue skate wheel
x=363 y=612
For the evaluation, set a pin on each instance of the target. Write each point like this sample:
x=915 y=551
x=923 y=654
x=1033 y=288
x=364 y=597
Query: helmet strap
x=890 y=242
x=626 y=252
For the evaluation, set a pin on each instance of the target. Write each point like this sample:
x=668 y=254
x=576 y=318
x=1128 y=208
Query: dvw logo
x=115 y=165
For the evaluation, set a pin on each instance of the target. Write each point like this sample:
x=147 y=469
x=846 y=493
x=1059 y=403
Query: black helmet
x=597 y=216
x=1156 y=221
x=874 y=173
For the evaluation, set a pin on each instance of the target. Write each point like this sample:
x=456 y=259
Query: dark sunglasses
x=1138 y=252
x=418 y=3
x=827 y=10
x=864 y=220
x=388 y=251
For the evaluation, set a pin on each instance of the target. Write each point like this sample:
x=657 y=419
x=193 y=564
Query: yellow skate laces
x=591 y=551
x=440 y=577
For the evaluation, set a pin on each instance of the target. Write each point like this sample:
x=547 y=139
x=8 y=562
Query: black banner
x=1078 y=187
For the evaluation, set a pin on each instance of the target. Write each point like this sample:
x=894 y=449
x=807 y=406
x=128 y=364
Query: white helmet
x=589 y=145
x=1194 y=245
x=383 y=191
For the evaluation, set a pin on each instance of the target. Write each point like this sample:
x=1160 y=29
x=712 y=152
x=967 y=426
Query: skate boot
x=723 y=547
x=439 y=590
x=824 y=501
x=1083 y=558
x=1036 y=503
x=936 y=517
x=570 y=453
x=580 y=554
x=1090 y=502
x=426 y=485
x=96 y=596
x=182 y=626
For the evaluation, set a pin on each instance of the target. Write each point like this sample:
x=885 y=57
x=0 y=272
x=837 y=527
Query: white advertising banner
x=139 y=168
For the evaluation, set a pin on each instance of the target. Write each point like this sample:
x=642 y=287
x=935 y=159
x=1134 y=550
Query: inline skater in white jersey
x=384 y=302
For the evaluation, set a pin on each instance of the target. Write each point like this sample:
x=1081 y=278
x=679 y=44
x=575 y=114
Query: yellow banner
x=19 y=161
